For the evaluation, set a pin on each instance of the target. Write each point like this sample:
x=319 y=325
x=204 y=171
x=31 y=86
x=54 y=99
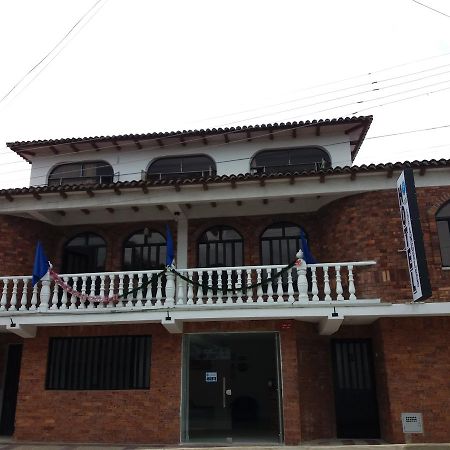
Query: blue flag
x=169 y=242
x=40 y=267
x=307 y=256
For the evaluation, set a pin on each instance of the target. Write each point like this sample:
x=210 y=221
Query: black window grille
x=220 y=246
x=99 y=363
x=84 y=172
x=145 y=250
x=443 y=226
x=295 y=159
x=194 y=166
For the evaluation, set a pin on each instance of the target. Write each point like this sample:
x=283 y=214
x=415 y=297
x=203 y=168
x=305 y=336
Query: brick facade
x=411 y=356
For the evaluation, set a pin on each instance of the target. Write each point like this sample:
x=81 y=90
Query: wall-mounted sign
x=412 y=232
x=211 y=377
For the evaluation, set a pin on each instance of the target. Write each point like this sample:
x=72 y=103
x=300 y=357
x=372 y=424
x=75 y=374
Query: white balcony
x=245 y=286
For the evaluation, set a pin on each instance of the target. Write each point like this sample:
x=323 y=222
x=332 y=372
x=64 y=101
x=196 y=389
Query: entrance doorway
x=10 y=388
x=232 y=388
x=354 y=390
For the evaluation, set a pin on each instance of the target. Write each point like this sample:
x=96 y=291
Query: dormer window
x=181 y=167
x=84 y=172
x=295 y=159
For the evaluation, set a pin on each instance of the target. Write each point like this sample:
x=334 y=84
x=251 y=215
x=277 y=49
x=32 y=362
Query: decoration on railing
x=83 y=297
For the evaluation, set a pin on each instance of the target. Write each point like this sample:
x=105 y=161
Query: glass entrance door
x=232 y=389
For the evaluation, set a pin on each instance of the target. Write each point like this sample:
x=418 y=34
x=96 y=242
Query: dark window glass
x=98 y=363
x=443 y=227
x=220 y=246
x=85 y=172
x=290 y=160
x=84 y=253
x=145 y=249
x=279 y=243
x=181 y=167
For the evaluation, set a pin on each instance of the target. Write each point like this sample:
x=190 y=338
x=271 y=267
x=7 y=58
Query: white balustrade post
x=24 y=299
x=351 y=284
x=290 y=289
x=119 y=303
x=83 y=290
x=259 y=289
x=55 y=296
x=190 y=292
x=314 y=287
x=64 y=295
x=269 y=287
x=326 y=286
x=13 y=301
x=181 y=291
x=73 y=298
x=280 y=290
x=238 y=287
x=34 y=298
x=139 y=295
x=4 y=299
x=209 y=300
x=44 y=296
x=170 y=289
x=91 y=304
x=248 y=290
x=302 y=282
x=339 y=289
x=219 y=287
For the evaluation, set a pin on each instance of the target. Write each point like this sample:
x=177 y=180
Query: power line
x=432 y=9
x=51 y=51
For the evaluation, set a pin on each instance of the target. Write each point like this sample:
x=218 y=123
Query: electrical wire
x=432 y=9
x=59 y=43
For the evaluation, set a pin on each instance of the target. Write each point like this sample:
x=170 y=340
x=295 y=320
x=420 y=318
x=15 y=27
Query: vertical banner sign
x=412 y=231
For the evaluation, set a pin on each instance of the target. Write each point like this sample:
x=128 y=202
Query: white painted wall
x=233 y=158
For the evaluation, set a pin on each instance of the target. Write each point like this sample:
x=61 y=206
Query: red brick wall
x=140 y=416
x=414 y=375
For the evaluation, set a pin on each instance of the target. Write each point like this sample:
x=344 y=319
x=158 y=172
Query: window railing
x=97 y=179
x=180 y=175
x=299 y=167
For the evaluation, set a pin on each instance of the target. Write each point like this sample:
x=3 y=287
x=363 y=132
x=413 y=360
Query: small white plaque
x=211 y=377
x=412 y=423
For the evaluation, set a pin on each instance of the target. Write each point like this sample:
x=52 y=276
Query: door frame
x=184 y=424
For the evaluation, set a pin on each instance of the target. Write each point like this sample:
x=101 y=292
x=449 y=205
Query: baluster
x=100 y=304
x=200 y=294
x=269 y=286
x=4 y=299
x=34 y=298
x=181 y=291
x=219 y=287
x=44 y=295
x=91 y=303
x=119 y=303
x=110 y=291
x=159 y=292
x=302 y=282
x=55 y=296
x=73 y=298
x=127 y=301
x=24 y=299
x=238 y=286
x=280 y=290
x=64 y=295
x=326 y=284
x=259 y=289
x=351 y=284
x=13 y=301
x=290 y=289
x=170 y=289
x=315 y=289
x=190 y=291
x=209 y=301
x=83 y=291
x=139 y=295
x=248 y=289
x=339 y=289
x=229 y=287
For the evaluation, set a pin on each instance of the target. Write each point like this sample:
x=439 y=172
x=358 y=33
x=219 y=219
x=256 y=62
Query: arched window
x=145 y=249
x=84 y=253
x=84 y=172
x=279 y=243
x=220 y=246
x=294 y=159
x=443 y=226
x=181 y=167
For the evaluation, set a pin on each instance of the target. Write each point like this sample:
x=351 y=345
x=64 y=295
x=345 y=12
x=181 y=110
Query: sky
x=140 y=66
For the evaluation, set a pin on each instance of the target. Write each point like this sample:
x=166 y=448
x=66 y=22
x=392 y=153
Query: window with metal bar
x=295 y=159
x=99 y=363
x=443 y=226
x=192 y=166
x=84 y=172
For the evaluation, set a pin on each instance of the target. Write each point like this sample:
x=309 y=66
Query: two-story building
x=238 y=343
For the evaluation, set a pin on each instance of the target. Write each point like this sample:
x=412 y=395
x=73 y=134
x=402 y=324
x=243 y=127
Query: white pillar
x=182 y=243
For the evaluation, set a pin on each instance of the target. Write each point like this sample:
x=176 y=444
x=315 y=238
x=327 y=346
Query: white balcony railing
x=226 y=286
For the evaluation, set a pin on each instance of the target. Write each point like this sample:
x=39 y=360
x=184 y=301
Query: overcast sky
x=140 y=66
